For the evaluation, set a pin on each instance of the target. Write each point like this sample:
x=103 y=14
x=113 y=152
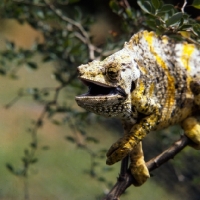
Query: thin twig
x=83 y=35
x=66 y=19
x=124 y=166
x=183 y=7
x=13 y=101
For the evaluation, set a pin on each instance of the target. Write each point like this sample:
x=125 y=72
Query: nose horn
x=79 y=69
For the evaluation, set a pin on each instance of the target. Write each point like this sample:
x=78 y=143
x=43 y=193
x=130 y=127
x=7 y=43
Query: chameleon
x=153 y=82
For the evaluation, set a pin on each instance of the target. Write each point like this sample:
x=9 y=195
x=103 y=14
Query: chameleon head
x=110 y=83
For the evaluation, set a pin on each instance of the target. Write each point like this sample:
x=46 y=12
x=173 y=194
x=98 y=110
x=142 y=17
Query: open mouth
x=98 y=89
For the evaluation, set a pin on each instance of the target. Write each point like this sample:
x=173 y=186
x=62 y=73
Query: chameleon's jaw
x=100 y=93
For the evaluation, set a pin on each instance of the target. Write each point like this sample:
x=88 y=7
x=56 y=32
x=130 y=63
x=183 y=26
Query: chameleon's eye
x=112 y=73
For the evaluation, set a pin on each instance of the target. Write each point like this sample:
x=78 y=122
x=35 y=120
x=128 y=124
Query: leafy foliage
x=162 y=18
x=166 y=19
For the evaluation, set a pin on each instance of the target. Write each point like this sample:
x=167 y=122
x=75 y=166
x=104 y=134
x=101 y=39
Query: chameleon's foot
x=120 y=150
x=138 y=167
x=140 y=173
x=191 y=128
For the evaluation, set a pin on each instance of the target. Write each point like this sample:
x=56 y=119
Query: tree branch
x=83 y=35
x=183 y=7
x=125 y=180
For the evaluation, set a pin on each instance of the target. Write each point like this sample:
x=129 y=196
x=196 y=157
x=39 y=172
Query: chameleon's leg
x=125 y=145
x=191 y=127
x=138 y=167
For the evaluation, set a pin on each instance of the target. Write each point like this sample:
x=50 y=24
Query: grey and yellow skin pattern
x=152 y=83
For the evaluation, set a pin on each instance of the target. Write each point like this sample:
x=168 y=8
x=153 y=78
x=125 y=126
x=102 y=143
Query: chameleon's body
x=150 y=84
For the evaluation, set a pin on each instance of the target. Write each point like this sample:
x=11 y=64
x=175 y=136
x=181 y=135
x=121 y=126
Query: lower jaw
x=104 y=113
x=107 y=111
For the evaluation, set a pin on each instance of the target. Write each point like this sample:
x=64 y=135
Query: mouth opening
x=96 y=89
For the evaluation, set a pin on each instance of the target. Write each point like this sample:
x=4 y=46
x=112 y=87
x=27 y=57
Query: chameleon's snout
x=80 y=69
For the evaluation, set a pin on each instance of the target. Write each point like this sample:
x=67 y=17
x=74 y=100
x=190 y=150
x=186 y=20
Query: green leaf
x=10 y=45
x=107 y=169
x=10 y=167
x=145 y=6
x=101 y=179
x=92 y=139
x=115 y=7
x=45 y=148
x=33 y=145
x=25 y=160
x=151 y=23
x=26 y=152
x=103 y=152
x=47 y=58
x=155 y=3
x=166 y=8
x=82 y=132
x=32 y=65
x=185 y=26
x=34 y=160
x=129 y=12
x=174 y=19
x=40 y=14
x=196 y=29
x=2 y=72
x=196 y=4
x=71 y=139
x=185 y=16
x=56 y=122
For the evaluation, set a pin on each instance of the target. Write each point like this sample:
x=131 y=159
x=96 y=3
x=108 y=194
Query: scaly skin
x=150 y=84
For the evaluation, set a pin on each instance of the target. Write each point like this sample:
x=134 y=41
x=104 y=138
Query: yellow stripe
x=170 y=99
x=187 y=51
x=142 y=68
x=151 y=89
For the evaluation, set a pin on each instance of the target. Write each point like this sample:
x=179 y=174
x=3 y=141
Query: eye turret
x=113 y=73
